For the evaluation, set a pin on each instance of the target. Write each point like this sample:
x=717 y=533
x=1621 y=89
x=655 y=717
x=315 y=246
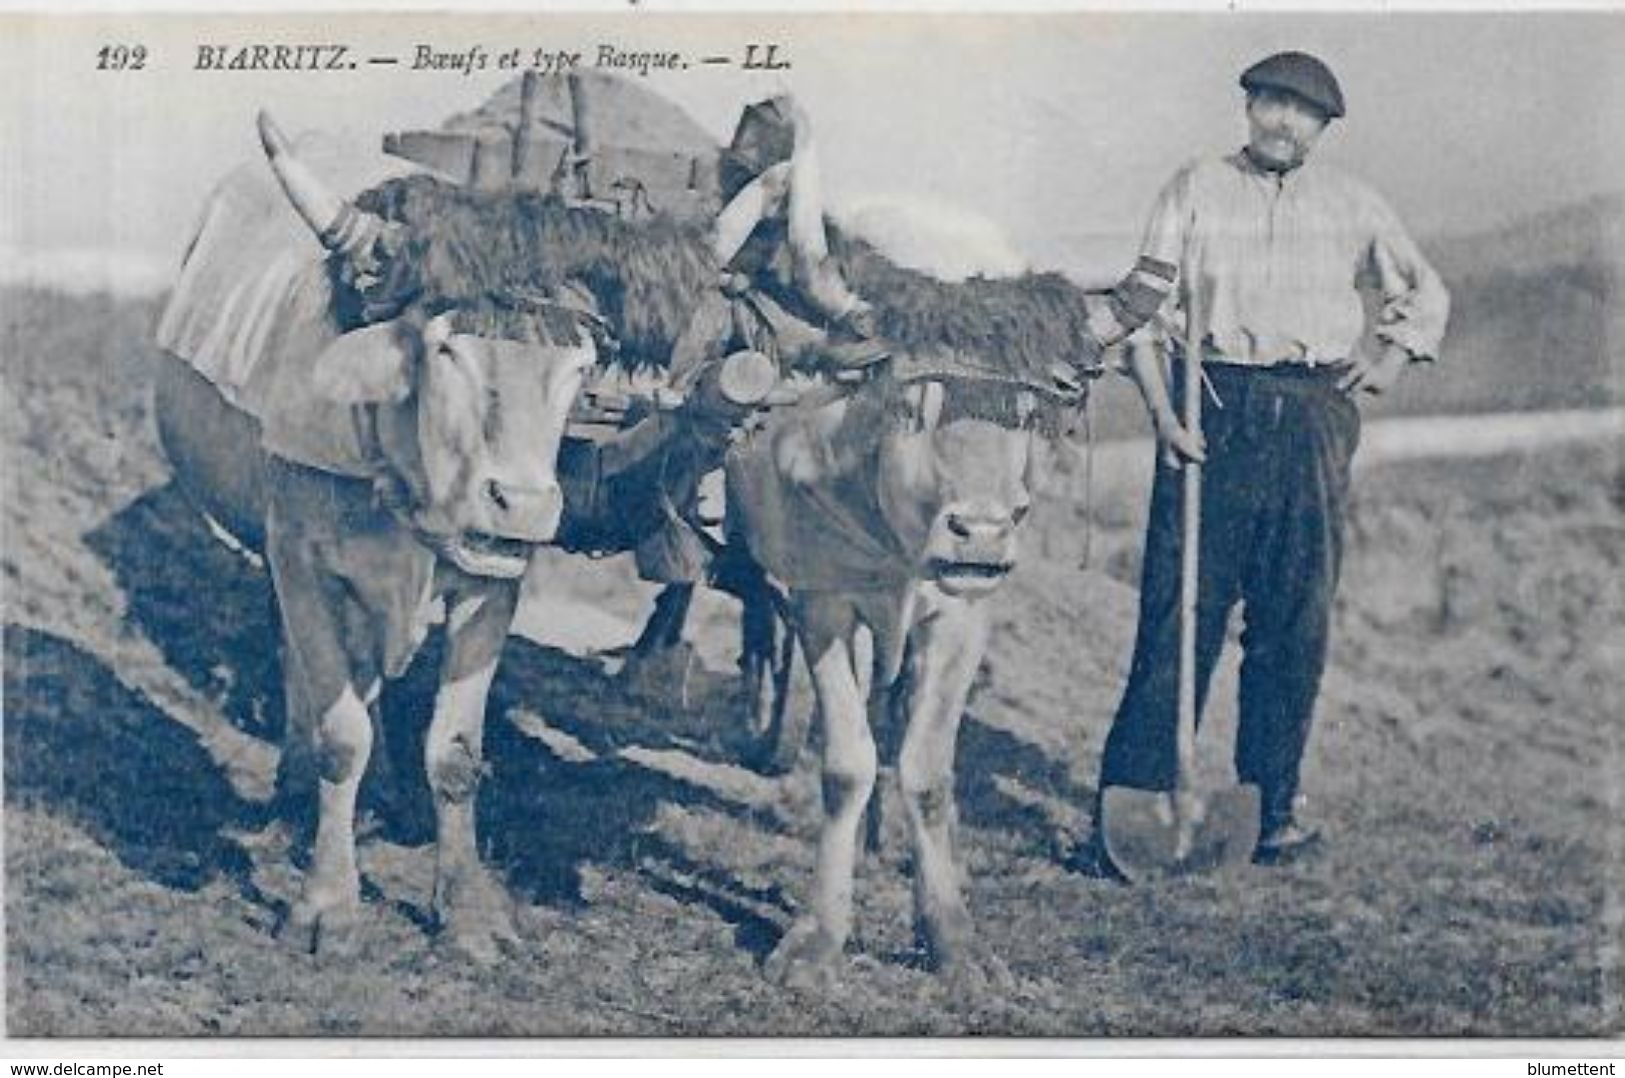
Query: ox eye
x=1020 y=513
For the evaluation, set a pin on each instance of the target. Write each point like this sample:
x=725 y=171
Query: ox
x=406 y=456
x=890 y=515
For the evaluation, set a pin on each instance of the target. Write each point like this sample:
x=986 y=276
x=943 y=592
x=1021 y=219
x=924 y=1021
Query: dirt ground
x=1465 y=765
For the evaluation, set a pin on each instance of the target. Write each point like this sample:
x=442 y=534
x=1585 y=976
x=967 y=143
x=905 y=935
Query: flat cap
x=1297 y=73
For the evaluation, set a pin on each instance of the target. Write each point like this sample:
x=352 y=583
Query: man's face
x=1282 y=128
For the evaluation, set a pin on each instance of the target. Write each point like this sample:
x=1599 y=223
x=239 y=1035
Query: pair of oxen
x=885 y=512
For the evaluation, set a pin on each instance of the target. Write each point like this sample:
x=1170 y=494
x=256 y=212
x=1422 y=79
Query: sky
x=1057 y=128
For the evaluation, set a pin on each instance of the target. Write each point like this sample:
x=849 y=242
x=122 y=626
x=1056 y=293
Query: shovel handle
x=1190 y=541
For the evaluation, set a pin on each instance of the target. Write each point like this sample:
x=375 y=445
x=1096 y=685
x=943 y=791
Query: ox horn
x=327 y=215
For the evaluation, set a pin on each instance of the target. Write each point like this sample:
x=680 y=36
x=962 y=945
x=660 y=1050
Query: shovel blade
x=1142 y=837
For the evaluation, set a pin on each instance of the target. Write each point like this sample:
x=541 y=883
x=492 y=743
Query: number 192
x=121 y=58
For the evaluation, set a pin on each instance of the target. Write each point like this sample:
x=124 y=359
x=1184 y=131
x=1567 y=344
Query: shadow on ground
x=547 y=818
x=985 y=757
x=82 y=745
x=210 y=612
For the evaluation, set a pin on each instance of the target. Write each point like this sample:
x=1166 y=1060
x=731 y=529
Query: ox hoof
x=806 y=958
x=477 y=923
x=974 y=971
x=957 y=954
x=484 y=944
x=321 y=927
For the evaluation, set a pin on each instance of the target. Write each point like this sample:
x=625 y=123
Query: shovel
x=1154 y=835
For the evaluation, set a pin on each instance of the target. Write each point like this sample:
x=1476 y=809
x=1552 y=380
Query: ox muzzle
x=509 y=522
x=973 y=546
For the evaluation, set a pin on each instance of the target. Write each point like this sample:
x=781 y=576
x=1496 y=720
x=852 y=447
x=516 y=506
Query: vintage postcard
x=1076 y=524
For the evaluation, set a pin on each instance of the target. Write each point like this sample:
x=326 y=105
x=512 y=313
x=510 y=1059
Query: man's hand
x=1375 y=374
x=1176 y=445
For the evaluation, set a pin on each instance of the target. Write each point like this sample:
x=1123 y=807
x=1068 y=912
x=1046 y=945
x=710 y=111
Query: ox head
x=472 y=394
x=983 y=369
x=956 y=471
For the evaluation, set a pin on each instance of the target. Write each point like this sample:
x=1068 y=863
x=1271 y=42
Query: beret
x=1297 y=73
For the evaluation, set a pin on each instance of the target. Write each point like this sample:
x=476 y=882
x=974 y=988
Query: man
x=780 y=294
x=788 y=294
x=1308 y=290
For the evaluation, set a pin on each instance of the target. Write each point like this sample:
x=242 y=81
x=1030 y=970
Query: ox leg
x=881 y=810
x=323 y=667
x=778 y=729
x=297 y=788
x=473 y=911
x=946 y=651
x=664 y=629
x=332 y=891
x=810 y=953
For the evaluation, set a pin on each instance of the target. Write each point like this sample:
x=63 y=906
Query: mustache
x=1281 y=142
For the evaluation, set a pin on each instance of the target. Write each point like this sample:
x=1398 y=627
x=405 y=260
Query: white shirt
x=1285 y=266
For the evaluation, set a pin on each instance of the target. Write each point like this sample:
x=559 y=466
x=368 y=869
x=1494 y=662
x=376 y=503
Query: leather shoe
x=1286 y=843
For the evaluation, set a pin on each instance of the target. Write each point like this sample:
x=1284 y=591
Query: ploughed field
x=1465 y=766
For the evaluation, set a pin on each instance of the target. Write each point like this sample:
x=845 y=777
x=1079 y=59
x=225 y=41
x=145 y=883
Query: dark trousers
x=1274 y=499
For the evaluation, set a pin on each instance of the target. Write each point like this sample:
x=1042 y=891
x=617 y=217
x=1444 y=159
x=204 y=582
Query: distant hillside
x=1589 y=231
x=1537 y=319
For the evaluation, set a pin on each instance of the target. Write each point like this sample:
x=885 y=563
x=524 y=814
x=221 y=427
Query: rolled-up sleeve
x=1413 y=304
x=1163 y=245
x=1144 y=291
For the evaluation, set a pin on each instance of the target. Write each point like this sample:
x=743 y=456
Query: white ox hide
x=888 y=519
x=391 y=465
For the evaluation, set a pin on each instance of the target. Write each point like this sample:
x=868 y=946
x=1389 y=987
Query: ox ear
x=370 y=365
